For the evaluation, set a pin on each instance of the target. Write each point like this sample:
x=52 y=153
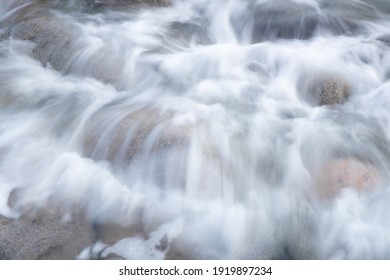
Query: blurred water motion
x=195 y=129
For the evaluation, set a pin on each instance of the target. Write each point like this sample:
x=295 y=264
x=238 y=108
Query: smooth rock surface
x=339 y=174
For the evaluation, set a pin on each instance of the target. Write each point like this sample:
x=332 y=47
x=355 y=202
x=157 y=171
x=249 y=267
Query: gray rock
x=288 y=20
x=153 y=143
x=381 y=5
x=53 y=39
x=57 y=44
x=109 y=138
x=126 y=129
x=14 y=11
x=97 y=6
x=112 y=257
x=111 y=233
x=324 y=89
x=385 y=39
x=44 y=234
x=184 y=33
x=122 y=3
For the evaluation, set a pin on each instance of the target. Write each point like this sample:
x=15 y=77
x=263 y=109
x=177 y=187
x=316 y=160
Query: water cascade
x=194 y=129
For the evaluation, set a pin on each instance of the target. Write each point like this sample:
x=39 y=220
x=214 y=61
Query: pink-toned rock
x=339 y=174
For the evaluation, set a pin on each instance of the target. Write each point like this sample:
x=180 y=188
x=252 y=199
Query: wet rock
x=119 y=3
x=52 y=38
x=184 y=33
x=178 y=253
x=289 y=20
x=58 y=44
x=98 y=6
x=16 y=10
x=111 y=138
x=324 y=89
x=381 y=5
x=385 y=39
x=126 y=135
x=111 y=233
x=112 y=257
x=338 y=174
x=44 y=234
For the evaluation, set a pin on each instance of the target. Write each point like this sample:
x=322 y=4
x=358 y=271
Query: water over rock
x=124 y=134
x=338 y=174
x=118 y=3
x=290 y=20
x=57 y=44
x=381 y=5
x=184 y=34
x=286 y=21
x=385 y=39
x=192 y=156
x=52 y=38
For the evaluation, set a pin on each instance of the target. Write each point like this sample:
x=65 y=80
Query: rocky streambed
x=194 y=129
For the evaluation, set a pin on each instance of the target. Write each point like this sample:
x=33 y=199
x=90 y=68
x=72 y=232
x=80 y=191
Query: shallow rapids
x=195 y=129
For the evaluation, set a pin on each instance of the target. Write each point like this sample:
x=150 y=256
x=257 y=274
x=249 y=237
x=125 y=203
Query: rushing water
x=192 y=122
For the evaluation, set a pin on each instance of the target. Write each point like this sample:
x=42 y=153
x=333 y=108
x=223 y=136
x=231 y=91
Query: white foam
x=217 y=146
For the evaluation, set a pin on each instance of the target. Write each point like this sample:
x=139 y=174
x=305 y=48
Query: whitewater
x=194 y=129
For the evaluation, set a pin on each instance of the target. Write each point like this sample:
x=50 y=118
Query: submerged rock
x=116 y=3
x=339 y=174
x=17 y=10
x=287 y=21
x=118 y=139
x=124 y=135
x=385 y=39
x=290 y=20
x=57 y=44
x=184 y=33
x=381 y=5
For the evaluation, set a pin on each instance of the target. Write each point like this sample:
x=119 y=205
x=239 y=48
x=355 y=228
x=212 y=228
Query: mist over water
x=198 y=128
